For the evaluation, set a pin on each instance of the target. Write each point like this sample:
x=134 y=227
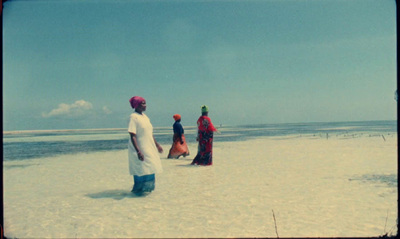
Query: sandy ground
x=343 y=186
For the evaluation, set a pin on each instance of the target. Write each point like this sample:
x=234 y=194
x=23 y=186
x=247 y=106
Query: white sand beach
x=315 y=186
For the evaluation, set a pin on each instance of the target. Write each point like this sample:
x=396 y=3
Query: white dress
x=140 y=125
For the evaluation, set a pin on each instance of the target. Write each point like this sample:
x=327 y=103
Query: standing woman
x=143 y=149
x=179 y=146
x=205 y=137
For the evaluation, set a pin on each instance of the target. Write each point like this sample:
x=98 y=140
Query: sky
x=70 y=64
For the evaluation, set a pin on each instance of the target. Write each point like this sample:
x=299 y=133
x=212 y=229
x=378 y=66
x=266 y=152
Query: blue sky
x=70 y=64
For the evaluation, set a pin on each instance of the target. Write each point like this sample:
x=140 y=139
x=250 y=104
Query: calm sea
x=37 y=144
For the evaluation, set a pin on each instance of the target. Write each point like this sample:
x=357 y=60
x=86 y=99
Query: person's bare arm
x=135 y=145
x=159 y=148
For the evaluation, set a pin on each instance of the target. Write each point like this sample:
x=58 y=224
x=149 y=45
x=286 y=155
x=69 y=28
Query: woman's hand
x=140 y=156
x=159 y=148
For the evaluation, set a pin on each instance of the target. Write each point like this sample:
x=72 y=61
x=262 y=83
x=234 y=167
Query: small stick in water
x=276 y=229
x=387 y=215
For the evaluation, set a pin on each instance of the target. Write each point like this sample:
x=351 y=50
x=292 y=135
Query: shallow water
x=37 y=144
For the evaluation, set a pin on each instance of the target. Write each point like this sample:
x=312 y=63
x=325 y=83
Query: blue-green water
x=29 y=145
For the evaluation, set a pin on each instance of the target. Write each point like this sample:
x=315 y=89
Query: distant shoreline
x=57 y=130
x=11 y=132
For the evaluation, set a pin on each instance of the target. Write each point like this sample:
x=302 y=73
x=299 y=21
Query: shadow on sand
x=187 y=165
x=116 y=194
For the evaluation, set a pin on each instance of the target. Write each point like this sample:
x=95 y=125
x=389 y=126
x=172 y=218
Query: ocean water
x=26 y=145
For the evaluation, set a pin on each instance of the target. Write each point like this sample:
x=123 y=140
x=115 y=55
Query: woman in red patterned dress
x=205 y=138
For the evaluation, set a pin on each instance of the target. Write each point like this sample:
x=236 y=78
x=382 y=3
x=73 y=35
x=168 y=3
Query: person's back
x=204 y=124
x=177 y=127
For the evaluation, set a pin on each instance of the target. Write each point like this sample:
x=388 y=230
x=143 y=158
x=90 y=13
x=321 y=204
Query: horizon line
x=6 y=132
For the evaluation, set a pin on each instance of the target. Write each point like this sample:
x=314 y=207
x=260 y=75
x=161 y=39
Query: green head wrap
x=204 y=108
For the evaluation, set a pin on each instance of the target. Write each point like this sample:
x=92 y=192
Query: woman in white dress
x=143 y=149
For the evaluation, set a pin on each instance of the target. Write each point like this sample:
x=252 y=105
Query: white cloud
x=78 y=108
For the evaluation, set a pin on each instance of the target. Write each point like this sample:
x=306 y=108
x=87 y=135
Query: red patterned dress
x=205 y=137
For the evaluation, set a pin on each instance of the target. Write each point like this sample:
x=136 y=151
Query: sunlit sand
x=340 y=186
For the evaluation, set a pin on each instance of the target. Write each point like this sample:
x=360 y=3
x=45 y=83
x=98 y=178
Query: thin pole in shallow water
x=276 y=229
x=387 y=215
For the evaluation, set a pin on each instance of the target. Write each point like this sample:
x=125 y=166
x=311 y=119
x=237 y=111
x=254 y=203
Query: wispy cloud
x=106 y=110
x=79 y=108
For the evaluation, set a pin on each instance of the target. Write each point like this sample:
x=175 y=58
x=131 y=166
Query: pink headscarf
x=136 y=101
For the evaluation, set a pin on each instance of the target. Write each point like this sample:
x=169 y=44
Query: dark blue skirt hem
x=143 y=184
